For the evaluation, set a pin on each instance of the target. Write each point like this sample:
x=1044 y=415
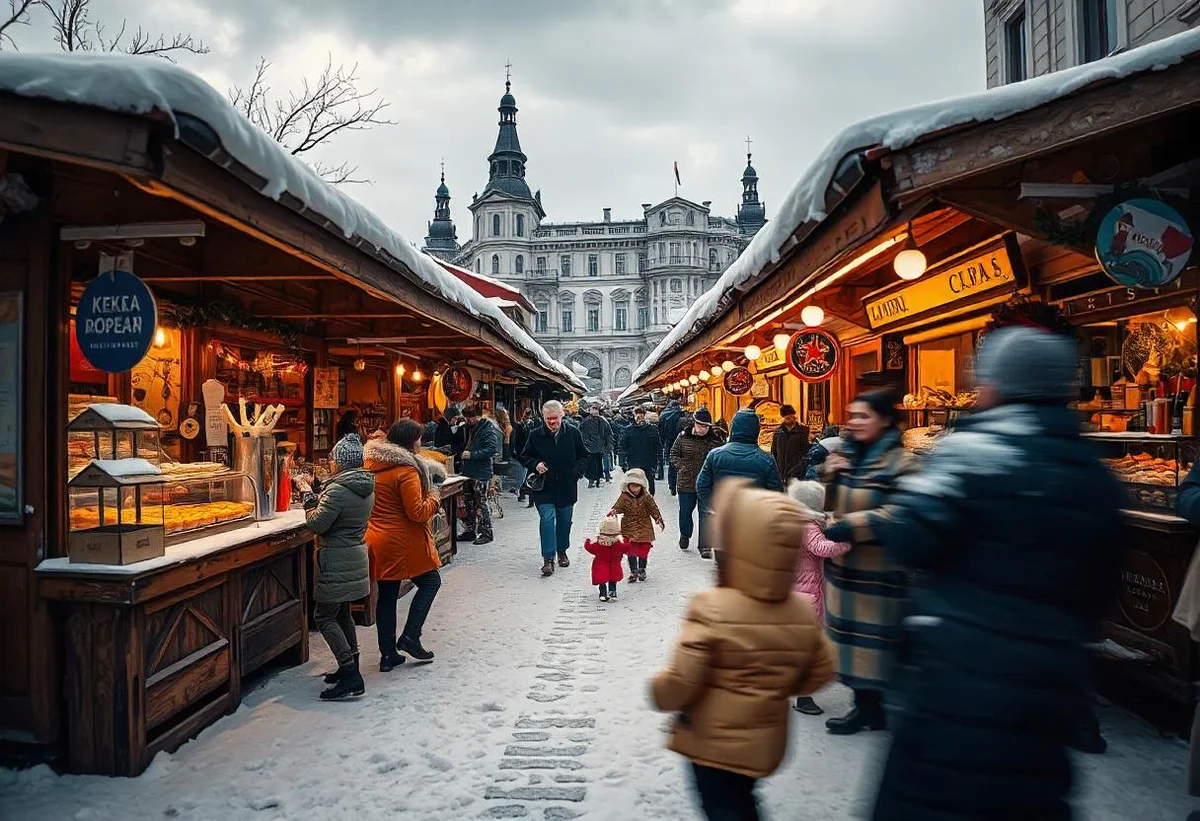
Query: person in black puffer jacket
x=670 y=423
x=789 y=446
x=1013 y=526
x=641 y=446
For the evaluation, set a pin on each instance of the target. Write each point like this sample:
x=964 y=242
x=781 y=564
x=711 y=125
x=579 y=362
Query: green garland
x=234 y=316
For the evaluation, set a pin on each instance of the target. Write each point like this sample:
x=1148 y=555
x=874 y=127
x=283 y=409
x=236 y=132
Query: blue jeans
x=555 y=529
x=689 y=503
x=608 y=467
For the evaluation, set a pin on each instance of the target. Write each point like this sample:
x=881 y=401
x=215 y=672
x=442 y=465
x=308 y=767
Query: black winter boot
x=332 y=677
x=389 y=662
x=349 y=685
x=683 y=542
x=412 y=647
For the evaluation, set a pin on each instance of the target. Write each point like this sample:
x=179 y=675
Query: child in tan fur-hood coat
x=639 y=513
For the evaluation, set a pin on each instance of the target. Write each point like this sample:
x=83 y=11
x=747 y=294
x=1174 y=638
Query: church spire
x=507 y=162
x=752 y=214
x=442 y=240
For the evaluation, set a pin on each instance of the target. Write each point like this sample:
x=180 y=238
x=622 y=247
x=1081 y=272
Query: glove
x=310 y=501
x=838 y=532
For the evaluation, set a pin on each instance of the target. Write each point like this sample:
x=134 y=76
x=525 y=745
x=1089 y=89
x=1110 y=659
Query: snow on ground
x=535 y=708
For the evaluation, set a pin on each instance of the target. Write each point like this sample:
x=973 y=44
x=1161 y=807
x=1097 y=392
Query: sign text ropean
x=979 y=270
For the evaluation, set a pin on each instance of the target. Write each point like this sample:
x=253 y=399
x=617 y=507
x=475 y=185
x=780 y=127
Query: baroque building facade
x=1029 y=38
x=605 y=291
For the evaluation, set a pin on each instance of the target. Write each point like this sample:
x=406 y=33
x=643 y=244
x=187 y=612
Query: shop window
x=495 y=225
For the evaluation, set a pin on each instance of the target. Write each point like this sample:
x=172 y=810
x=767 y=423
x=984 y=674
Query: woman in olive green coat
x=339 y=517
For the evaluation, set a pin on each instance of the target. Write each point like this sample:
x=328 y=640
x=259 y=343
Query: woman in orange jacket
x=400 y=538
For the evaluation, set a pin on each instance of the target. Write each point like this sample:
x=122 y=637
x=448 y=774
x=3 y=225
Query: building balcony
x=677 y=261
x=542 y=275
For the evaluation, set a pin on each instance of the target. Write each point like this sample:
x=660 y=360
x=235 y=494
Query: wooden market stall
x=121 y=231
x=1009 y=218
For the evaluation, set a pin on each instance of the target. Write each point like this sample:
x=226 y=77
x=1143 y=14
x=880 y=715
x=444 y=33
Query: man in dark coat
x=641 y=446
x=691 y=448
x=484 y=445
x=789 y=446
x=451 y=433
x=669 y=425
x=597 y=439
x=1014 y=527
x=555 y=451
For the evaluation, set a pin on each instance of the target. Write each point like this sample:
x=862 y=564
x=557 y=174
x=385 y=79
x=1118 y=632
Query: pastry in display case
x=1152 y=466
x=111 y=431
x=116 y=512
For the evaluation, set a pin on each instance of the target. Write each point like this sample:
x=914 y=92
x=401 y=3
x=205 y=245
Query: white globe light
x=704 y=375
x=727 y=365
x=693 y=379
x=812 y=315
x=781 y=341
x=910 y=264
x=753 y=352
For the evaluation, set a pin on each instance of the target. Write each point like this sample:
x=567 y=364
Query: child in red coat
x=607 y=550
x=639 y=513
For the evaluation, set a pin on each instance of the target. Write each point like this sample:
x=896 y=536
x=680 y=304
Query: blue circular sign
x=115 y=321
x=1144 y=243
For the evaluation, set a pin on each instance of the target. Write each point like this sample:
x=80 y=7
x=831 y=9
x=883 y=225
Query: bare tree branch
x=315 y=114
x=18 y=16
x=74 y=30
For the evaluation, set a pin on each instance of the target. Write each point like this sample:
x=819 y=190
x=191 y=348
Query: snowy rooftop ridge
x=142 y=85
x=898 y=130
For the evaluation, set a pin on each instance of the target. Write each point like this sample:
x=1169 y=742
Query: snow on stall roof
x=124 y=468
x=900 y=129
x=121 y=414
x=144 y=85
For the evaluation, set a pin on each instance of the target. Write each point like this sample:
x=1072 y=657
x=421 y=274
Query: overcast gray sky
x=610 y=92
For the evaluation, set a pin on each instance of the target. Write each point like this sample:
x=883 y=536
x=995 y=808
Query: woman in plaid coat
x=865 y=589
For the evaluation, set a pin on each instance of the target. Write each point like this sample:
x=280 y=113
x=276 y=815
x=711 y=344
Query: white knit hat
x=611 y=525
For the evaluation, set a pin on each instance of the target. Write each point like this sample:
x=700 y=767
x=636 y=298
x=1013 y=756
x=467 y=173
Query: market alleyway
x=535 y=708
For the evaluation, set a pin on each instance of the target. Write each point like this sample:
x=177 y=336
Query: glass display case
x=116 y=512
x=111 y=431
x=1152 y=466
x=195 y=504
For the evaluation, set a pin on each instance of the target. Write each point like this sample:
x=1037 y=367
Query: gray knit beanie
x=348 y=452
x=1029 y=365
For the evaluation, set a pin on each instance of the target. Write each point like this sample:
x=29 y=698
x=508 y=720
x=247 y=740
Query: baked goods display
x=922 y=440
x=177 y=518
x=935 y=398
x=1144 y=469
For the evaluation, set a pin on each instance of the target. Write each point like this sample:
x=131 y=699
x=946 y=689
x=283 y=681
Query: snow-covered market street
x=535 y=708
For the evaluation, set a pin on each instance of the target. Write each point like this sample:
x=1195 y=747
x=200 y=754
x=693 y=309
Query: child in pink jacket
x=810 y=567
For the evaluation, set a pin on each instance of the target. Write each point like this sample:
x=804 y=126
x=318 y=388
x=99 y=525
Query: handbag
x=534 y=482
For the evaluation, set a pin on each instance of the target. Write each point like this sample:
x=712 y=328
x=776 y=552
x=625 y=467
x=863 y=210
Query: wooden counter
x=158 y=650
x=1152 y=572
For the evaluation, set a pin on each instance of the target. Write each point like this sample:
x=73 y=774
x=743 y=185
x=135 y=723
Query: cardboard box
x=116 y=544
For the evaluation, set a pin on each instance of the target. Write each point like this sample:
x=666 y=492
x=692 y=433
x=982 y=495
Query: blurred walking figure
x=597 y=437
x=1014 y=528
x=688 y=453
x=670 y=423
x=865 y=589
x=814 y=550
x=830 y=442
x=641 y=446
x=747 y=645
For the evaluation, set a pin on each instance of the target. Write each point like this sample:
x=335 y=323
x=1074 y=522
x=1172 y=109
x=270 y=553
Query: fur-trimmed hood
x=380 y=455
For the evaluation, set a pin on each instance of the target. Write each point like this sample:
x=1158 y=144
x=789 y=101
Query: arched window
x=712 y=257
x=520 y=225
x=519 y=264
x=478 y=265
x=495 y=263
x=495 y=225
x=621 y=378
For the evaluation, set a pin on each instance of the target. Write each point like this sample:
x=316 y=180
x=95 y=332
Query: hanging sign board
x=987 y=269
x=739 y=381
x=770 y=360
x=115 y=321
x=1143 y=243
x=459 y=384
x=813 y=355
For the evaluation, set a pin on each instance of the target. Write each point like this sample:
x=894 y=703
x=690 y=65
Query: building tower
x=442 y=240
x=751 y=214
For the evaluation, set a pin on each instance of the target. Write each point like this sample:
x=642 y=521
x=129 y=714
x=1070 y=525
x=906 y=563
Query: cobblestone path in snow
x=535 y=708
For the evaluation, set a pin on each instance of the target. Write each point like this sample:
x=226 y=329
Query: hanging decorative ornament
x=739 y=381
x=360 y=364
x=813 y=355
x=458 y=383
